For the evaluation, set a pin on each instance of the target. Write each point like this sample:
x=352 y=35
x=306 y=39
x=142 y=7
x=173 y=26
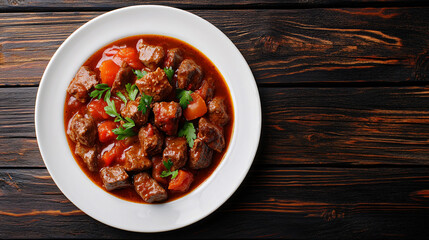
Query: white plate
x=55 y=151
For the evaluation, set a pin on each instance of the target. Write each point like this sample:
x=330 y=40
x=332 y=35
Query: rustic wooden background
x=344 y=152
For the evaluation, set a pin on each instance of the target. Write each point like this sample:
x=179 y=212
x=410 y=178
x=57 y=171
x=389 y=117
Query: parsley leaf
x=188 y=131
x=123 y=133
x=139 y=73
x=184 y=97
x=129 y=124
x=122 y=97
x=99 y=90
x=132 y=91
x=145 y=101
x=126 y=130
x=169 y=72
x=107 y=96
x=110 y=109
x=168 y=164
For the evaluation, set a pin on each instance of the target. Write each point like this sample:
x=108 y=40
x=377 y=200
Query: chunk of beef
x=211 y=134
x=151 y=139
x=155 y=84
x=135 y=160
x=125 y=75
x=189 y=75
x=83 y=129
x=200 y=155
x=217 y=111
x=151 y=56
x=176 y=150
x=157 y=169
x=88 y=155
x=131 y=111
x=167 y=116
x=173 y=58
x=114 y=177
x=149 y=189
x=84 y=80
x=207 y=89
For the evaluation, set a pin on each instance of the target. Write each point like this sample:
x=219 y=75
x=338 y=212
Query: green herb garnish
x=169 y=72
x=132 y=91
x=145 y=102
x=122 y=97
x=139 y=73
x=99 y=90
x=110 y=109
x=184 y=97
x=168 y=164
x=126 y=130
x=188 y=131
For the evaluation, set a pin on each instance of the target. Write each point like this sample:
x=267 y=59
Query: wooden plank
x=331 y=203
x=52 y=5
x=386 y=125
x=304 y=46
x=345 y=125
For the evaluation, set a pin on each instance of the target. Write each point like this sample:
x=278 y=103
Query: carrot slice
x=181 y=182
x=196 y=108
x=108 y=71
x=131 y=56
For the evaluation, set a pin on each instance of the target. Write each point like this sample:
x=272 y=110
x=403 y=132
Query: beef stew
x=148 y=118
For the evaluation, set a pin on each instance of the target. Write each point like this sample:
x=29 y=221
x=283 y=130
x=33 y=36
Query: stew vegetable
x=148 y=118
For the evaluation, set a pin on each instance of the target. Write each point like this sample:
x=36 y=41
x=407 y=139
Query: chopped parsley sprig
x=122 y=97
x=188 y=131
x=99 y=90
x=184 y=97
x=169 y=72
x=139 y=73
x=168 y=164
x=145 y=101
x=126 y=130
x=132 y=91
x=110 y=109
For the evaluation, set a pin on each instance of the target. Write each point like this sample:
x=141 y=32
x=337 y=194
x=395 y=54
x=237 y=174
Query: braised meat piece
x=189 y=75
x=155 y=84
x=200 y=155
x=150 y=55
x=84 y=80
x=151 y=139
x=125 y=75
x=207 y=89
x=211 y=134
x=135 y=160
x=88 y=155
x=149 y=189
x=176 y=150
x=173 y=58
x=157 y=169
x=83 y=129
x=217 y=111
x=167 y=116
x=131 y=111
x=114 y=177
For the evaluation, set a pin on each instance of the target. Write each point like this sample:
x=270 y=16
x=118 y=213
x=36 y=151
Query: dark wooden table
x=344 y=151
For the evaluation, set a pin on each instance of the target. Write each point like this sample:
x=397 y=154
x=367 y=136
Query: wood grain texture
x=303 y=46
x=288 y=203
x=346 y=126
x=52 y=5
